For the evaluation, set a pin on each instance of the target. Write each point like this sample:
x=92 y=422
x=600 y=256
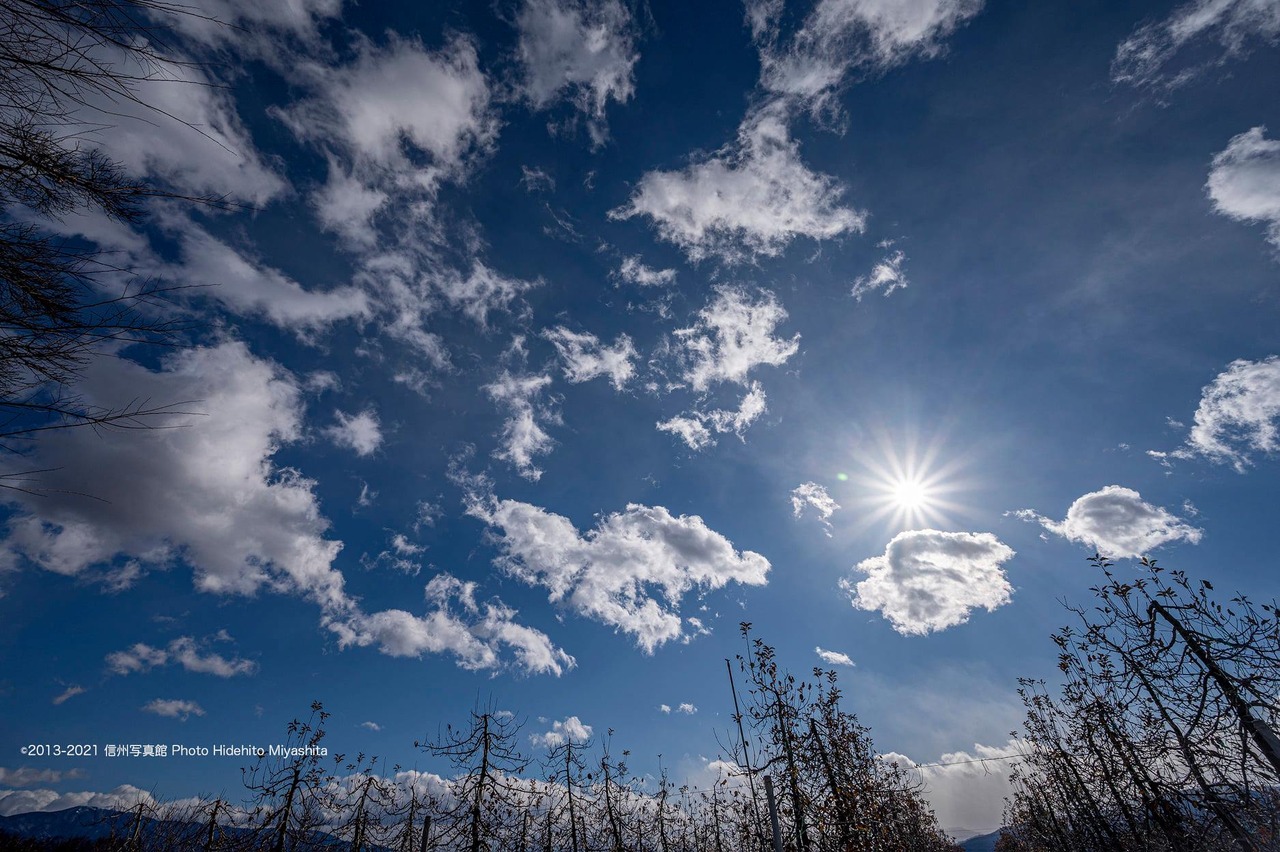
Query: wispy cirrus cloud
x=1165 y=54
x=841 y=37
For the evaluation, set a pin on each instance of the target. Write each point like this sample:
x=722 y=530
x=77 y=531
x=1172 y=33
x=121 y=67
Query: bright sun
x=910 y=494
x=907 y=486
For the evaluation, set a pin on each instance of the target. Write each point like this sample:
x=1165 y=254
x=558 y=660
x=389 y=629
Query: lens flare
x=905 y=485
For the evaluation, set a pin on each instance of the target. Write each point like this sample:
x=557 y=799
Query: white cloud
x=203 y=491
x=733 y=335
x=586 y=358
x=687 y=709
x=67 y=694
x=839 y=36
x=401 y=96
x=47 y=801
x=397 y=122
x=180 y=127
x=360 y=432
x=372 y=726
x=523 y=437
x=570 y=730
x=536 y=180
x=250 y=288
x=232 y=21
x=480 y=291
x=664 y=708
x=1154 y=56
x=969 y=787
x=633 y=271
x=833 y=658
x=183 y=651
x=1244 y=182
x=474 y=633
x=586 y=48
x=1117 y=522
x=751 y=198
x=346 y=206
x=629 y=572
x=811 y=495
x=1238 y=413
x=173 y=708
x=886 y=275
x=929 y=580
x=696 y=427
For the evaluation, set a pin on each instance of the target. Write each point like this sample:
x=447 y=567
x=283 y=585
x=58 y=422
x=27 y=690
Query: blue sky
x=554 y=339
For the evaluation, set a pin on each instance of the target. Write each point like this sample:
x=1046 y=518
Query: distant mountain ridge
x=983 y=842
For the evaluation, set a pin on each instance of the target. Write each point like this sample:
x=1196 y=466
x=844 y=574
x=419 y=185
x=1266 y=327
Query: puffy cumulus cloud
x=630 y=572
x=571 y=730
x=966 y=789
x=1238 y=413
x=1156 y=55
x=586 y=358
x=664 y=708
x=203 y=490
x=183 y=651
x=751 y=198
x=47 y=801
x=697 y=428
x=839 y=36
x=372 y=726
x=455 y=623
x=523 y=436
x=887 y=275
x=584 y=48
x=928 y=580
x=396 y=122
x=733 y=334
x=687 y=709
x=360 y=432
x=833 y=658
x=1244 y=182
x=1116 y=521
x=173 y=708
x=28 y=776
x=811 y=495
x=633 y=271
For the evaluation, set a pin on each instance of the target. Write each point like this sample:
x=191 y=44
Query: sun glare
x=910 y=494
x=908 y=487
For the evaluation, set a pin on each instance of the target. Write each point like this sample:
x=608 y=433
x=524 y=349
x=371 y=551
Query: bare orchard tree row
x=1161 y=736
x=801 y=774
